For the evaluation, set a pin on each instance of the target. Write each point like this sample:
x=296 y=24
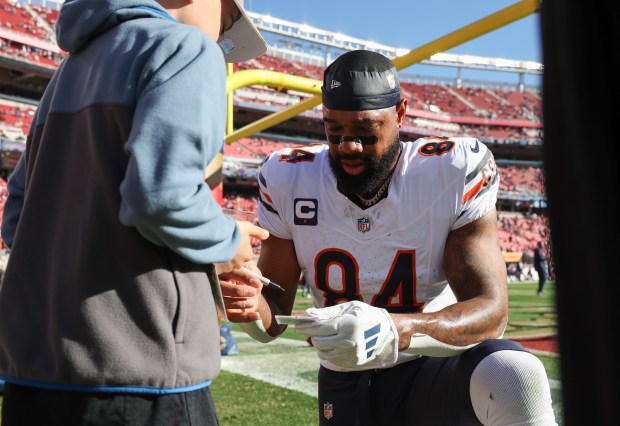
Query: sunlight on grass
x=243 y=401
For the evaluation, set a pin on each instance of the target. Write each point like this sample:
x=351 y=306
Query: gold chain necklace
x=369 y=202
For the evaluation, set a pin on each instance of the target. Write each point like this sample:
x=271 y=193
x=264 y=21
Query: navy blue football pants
x=428 y=391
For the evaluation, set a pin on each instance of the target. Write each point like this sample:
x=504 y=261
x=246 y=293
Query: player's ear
x=401 y=111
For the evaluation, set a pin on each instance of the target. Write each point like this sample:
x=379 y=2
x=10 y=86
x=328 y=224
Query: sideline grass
x=243 y=401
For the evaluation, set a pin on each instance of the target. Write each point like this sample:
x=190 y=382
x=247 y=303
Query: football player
x=398 y=242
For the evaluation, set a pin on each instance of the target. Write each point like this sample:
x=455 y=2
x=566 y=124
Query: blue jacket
x=113 y=230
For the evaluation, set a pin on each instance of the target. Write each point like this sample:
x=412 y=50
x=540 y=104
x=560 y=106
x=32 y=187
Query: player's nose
x=350 y=145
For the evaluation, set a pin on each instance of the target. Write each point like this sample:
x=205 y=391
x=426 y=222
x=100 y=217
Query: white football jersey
x=391 y=254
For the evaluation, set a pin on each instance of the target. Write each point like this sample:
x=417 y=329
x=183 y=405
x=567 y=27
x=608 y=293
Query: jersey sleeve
x=272 y=202
x=481 y=182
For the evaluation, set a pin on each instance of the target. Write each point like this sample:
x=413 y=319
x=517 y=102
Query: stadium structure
x=506 y=116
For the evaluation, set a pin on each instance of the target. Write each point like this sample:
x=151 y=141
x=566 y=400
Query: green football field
x=283 y=394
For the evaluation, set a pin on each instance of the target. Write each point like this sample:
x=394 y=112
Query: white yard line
x=291 y=364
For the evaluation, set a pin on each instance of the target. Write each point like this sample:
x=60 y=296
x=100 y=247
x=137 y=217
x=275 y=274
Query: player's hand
x=352 y=334
x=241 y=292
x=245 y=252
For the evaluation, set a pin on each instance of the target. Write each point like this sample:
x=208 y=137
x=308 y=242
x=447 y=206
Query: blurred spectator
x=540 y=264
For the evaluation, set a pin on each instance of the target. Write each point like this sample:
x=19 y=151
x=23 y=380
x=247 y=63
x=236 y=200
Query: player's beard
x=367 y=183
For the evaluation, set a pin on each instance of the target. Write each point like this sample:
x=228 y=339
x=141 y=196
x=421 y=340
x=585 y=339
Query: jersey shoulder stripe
x=287 y=166
x=463 y=164
x=483 y=176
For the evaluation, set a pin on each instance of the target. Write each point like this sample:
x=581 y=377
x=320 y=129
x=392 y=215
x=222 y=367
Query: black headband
x=360 y=80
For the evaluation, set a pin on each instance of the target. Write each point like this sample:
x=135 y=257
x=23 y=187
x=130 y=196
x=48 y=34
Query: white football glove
x=352 y=334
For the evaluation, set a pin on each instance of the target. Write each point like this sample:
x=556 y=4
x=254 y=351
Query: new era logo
x=335 y=83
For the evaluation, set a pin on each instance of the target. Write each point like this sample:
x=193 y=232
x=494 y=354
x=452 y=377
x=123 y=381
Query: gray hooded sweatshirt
x=113 y=231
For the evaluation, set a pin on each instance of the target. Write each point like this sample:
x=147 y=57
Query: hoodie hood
x=80 y=21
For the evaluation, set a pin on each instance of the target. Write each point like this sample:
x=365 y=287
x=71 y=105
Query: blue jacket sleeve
x=178 y=129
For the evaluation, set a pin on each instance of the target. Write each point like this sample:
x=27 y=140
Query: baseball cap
x=242 y=41
x=360 y=80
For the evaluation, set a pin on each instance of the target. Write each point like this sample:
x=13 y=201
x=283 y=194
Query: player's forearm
x=267 y=309
x=475 y=269
x=278 y=261
x=462 y=324
x=265 y=328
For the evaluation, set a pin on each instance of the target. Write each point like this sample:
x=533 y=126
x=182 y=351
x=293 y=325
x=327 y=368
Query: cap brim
x=242 y=42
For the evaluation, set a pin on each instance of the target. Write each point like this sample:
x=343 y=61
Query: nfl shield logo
x=391 y=81
x=328 y=410
x=363 y=224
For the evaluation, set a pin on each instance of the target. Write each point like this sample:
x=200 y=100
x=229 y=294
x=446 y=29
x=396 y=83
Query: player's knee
x=511 y=387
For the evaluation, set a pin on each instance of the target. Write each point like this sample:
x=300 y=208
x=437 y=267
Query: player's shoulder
x=442 y=151
x=284 y=165
x=296 y=157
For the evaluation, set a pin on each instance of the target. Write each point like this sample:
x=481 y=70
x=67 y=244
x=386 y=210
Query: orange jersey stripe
x=472 y=192
x=267 y=197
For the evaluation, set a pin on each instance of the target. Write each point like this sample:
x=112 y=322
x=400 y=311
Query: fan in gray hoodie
x=110 y=285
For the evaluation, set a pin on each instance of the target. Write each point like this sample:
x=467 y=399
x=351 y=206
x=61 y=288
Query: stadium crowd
x=14 y=16
x=500 y=115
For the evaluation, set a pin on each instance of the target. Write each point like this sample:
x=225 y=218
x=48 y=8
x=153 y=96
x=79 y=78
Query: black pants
x=29 y=406
x=428 y=391
x=542 y=278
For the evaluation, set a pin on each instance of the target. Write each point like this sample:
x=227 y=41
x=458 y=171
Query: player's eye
x=368 y=140
x=335 y=139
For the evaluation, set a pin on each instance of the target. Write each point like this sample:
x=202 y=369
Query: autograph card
x=292 y=319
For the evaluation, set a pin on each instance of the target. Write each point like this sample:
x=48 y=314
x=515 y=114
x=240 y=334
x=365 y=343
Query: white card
x=292 y=319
